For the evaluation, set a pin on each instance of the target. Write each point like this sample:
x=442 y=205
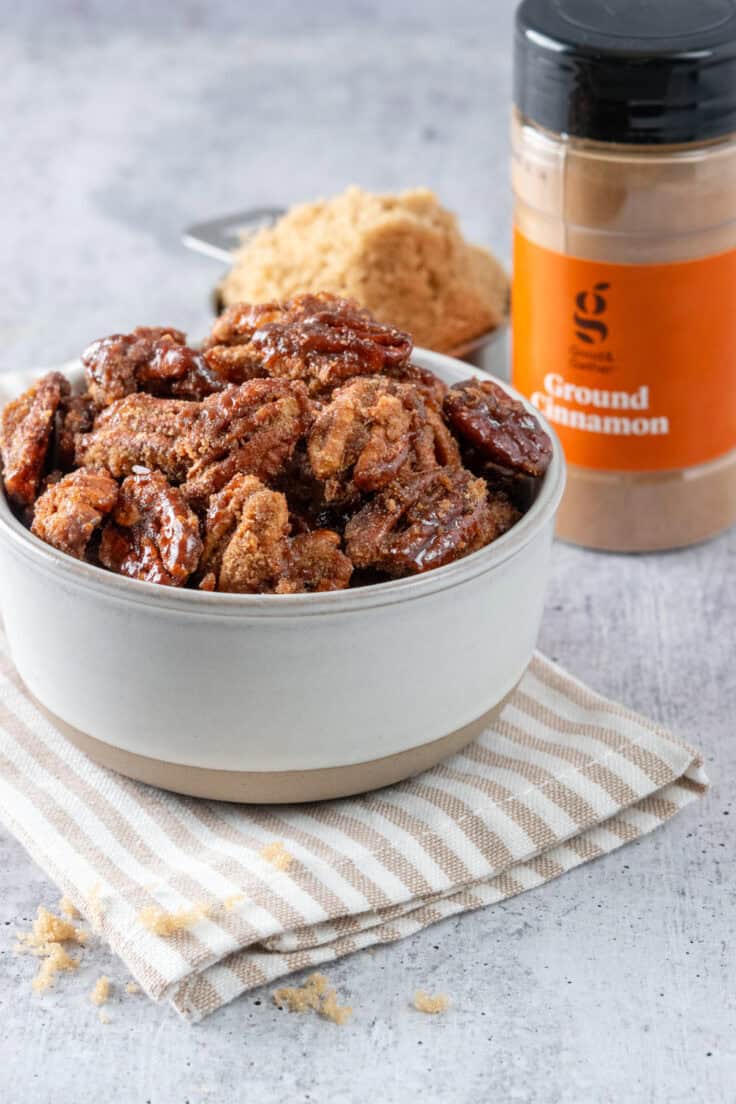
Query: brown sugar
x=55 y=961
x=46 y=940
x=423 y=1002
x=101 y=992
x=69 y=909
x=277 y=855
x=164 y=923
x=47 y=929
x=401 y=256
x=132 y=987
x=314 y=995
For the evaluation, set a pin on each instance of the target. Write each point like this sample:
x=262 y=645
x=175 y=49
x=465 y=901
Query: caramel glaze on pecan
x=424 y=521
x=319 y=339
x=373 y=430
x=152 y=534
x=252 y=428
x=153 y=359
x=498 y=427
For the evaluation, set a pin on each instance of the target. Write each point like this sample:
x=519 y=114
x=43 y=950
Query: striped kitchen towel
x=562 y=777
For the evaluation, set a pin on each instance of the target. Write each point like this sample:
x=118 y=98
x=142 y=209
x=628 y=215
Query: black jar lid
x=634 y=71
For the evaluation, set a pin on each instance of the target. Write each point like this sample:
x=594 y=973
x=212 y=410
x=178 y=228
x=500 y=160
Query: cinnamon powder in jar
x=624 y=295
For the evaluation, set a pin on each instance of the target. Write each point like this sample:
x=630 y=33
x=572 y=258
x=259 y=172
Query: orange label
x=634 y=365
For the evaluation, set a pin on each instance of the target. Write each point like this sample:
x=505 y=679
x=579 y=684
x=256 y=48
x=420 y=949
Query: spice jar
x=624 y=293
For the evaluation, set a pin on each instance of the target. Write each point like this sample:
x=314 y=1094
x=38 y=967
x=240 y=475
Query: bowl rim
x=67 y=569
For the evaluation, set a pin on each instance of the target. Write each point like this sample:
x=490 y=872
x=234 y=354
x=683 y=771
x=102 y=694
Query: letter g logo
x=590 y=304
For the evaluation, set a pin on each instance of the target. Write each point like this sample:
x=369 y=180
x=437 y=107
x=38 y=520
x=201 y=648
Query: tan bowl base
x=276 y=787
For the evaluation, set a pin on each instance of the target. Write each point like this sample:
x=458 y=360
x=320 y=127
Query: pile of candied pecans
x=298 y=450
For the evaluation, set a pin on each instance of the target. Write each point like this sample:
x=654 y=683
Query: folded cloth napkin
x=562 y=777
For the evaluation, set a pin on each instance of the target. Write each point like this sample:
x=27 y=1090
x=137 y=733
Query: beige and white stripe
x=563 y=777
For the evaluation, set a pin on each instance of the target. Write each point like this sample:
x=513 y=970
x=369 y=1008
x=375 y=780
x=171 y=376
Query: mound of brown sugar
x=401 y=256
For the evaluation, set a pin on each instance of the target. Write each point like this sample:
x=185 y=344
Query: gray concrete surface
x=122 y=123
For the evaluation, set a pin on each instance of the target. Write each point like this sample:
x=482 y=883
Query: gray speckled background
x=123 y=123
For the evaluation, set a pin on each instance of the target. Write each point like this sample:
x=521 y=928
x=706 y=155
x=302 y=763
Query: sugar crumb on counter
x=101 y=992
x=161 y=922
x=69 y=909
x=45 y=941
x=48 y=928
x=423 y=1002
x=132 y=987
x=276 y=854
x=314 y=995
x=103 y=1016
x=55 y=961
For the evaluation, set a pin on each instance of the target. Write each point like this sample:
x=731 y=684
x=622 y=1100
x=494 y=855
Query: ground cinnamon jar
x=624 y=294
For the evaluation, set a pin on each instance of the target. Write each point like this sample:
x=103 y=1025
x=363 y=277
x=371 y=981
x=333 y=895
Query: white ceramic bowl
x=286 y=697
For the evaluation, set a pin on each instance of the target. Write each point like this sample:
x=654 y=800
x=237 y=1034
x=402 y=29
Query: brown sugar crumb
x=103 y=1016
x=432 y=1005
x=132 y=987
x=101 y=992
x=45 y=941
x=161 y=922
x=277 y=855
x=233 y=901
x=48 y=929
x=55 y=961
x=313 y=996
x=69 y=909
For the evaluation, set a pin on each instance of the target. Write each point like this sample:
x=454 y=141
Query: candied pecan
x=320 y=339
x=67 y=514
x=138 y=430
x=178 y=372
x=112 y=364
x=430 y=386
x=252 y=428
x=228 y=350
x=248 y=550
x=315 y=562
x=152 y=534
x=425 y=521
x=373 y=429
x=25 y=433
x=499 y=428
x=76 y=415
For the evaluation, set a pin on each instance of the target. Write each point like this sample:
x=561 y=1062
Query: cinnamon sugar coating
x=139 y=430
x=373 y=430
x=68 y=513
x=25 y=434
x=248 y=548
